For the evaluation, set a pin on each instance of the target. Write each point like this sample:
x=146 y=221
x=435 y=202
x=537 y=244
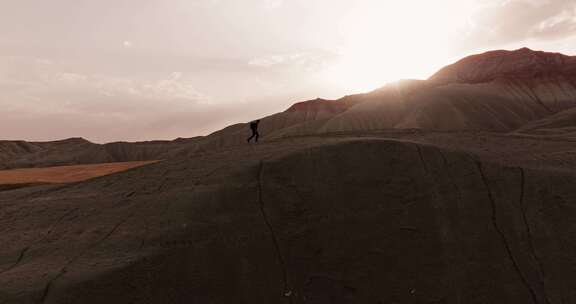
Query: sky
x=132 y=70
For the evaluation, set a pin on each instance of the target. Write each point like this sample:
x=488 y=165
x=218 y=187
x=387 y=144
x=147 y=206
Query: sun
x=389 y=40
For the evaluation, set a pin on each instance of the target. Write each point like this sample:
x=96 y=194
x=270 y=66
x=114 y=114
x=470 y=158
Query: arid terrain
x=456 y=189
x=19 y=178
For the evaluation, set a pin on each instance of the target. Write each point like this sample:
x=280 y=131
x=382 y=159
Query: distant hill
x=498 y=91
x=74 y=151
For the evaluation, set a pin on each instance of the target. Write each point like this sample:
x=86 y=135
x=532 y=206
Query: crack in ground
x=159 y=190
x=44 y=237
x=424 y=166
x=281 y=260
x=459 y=200
x=503 y=236
x=18 y=260
x=56 y=223
x=64 y=269
x=67 y=213
x=451 y=178
x=48 y=286
x=168 y=204
x=529 y=236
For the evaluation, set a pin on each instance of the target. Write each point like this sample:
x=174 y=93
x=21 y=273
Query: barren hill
x=75 y=151
x=499 y=91
x=436 y=191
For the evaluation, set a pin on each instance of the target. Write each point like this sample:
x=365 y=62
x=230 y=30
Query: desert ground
x=18 y=178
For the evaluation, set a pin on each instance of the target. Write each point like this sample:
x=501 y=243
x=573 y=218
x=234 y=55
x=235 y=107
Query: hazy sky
x=113 y=70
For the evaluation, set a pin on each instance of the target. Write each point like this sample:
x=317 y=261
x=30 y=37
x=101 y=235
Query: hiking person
x=254 y=129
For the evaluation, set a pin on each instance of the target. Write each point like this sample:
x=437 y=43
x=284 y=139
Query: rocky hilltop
x=523 y=64
x=448 y=190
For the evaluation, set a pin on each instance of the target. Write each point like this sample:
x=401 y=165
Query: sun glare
x=390 y=40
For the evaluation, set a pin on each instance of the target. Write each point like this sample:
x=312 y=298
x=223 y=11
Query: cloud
x=41 y=99
x=502 y=22
x=307 y=61
x=44 y=98
x=272 y=4
x=556 y=27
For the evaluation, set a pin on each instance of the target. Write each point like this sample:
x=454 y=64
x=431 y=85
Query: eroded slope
x=352 y=220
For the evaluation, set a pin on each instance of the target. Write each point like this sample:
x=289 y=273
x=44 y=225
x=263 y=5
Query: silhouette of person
x=254 y=128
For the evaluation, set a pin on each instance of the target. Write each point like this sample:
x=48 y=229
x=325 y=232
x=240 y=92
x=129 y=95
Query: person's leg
x=250 y=138
x=257 y=136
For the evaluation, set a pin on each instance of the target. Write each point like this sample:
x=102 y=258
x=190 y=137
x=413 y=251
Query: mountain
x=523 y=64
x=498 y=91
x=75 y=151
x=448 y=190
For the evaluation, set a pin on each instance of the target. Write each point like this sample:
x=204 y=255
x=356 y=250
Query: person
x=254 y=128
